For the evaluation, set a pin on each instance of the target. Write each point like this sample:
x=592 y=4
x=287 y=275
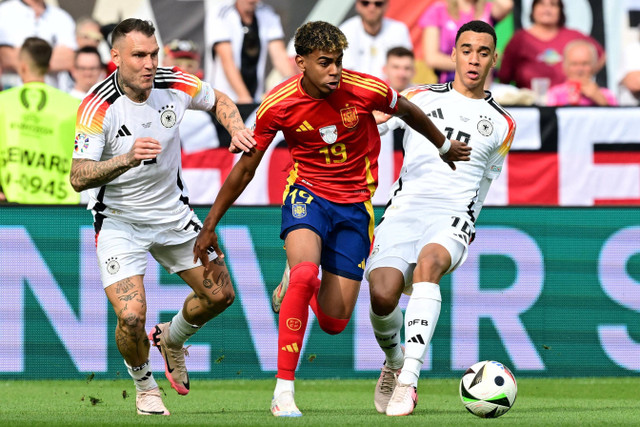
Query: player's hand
x=206 y=242
x=459 y=152
x=145 y=148
x=380 y=117
x=242 y=140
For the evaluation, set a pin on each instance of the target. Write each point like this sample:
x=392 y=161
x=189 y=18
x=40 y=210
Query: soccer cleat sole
x=140 y=412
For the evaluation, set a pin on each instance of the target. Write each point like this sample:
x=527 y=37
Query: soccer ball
x=488 y=389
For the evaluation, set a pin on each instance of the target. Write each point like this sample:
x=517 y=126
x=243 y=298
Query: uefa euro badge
x=81 y=143
x=349 y=117
x=167 y=116
x=299 y=210
x=329 y=134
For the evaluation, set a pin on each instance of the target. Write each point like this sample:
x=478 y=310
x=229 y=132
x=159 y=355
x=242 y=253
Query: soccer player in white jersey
x=127 y=153
x=429 y=220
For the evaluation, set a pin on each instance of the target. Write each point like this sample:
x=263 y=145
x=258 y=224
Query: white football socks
x=180 y=330
x=142 y=376
x=387 y=329
x=420 y=319
x=282 y=386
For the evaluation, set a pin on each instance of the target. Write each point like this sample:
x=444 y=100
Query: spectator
x=87 y=70
x=242 y=34
x=399 y=68
x=371 y=35
x=629 y=83
x=399 y=71
x=26 y=18
x=441 y=22
x=580 y=88
x=88 y=33
x=185 y=55
x=537 y=51
x=197 y=131
x=37 y=125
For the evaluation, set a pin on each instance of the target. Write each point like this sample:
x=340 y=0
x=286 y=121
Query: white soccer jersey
x=367 y=53
x=425 y=180
x=109 y=122
x=223 y=24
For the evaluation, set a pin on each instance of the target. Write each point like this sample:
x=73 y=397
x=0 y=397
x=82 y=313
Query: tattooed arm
x=228 y=115
x=86 y=173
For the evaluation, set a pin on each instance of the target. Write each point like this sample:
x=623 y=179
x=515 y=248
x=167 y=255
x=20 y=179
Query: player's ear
x=115 y=56
x=300 y=62
x=453 y=54
x=495 y=59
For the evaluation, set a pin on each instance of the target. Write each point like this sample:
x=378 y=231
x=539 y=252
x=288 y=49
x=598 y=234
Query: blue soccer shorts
x=345 y=229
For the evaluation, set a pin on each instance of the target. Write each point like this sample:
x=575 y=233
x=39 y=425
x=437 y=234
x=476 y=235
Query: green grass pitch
x=570 y=402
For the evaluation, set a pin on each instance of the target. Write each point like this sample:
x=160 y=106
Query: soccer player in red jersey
x=326 y=116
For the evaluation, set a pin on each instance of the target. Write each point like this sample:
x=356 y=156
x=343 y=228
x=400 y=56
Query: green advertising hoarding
x=547 y=291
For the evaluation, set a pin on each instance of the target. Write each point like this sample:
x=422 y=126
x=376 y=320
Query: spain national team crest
x=329 y=134
x=299 y=210
x=349 y=117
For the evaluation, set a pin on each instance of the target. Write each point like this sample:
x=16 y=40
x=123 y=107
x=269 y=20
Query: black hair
x=400 y=51
x=39 y=52
x=91 y=50
x=478 y=27
x=132 y=24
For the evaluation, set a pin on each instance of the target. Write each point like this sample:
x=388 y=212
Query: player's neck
x=131 y=93
x=474 y=93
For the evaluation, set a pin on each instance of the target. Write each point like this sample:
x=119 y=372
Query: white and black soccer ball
x=488 y=389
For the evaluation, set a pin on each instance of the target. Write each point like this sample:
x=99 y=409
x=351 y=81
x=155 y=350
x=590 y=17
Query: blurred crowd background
x=551 y=53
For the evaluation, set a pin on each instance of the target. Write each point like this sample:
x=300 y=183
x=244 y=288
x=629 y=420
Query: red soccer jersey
x=334 y=142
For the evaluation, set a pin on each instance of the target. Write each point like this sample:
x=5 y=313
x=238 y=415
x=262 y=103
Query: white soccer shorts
x=400 y=237
x=122 y=247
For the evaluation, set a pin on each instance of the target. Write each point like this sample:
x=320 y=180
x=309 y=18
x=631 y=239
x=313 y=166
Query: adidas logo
x=417 y=339
x=362 y=265
x=293 y=348
x=304 y=127
x=382 y=339
x=123 y=131
x=436 y=114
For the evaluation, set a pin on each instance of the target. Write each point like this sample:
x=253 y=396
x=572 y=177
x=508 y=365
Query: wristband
x=446 y=145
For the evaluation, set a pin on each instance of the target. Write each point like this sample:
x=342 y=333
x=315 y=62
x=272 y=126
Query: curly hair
x=319 y=35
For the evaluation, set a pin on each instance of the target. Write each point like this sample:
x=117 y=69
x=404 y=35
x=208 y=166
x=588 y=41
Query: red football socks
x=294 y=313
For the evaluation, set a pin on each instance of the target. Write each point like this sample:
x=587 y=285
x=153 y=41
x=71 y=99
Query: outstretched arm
x=238 y=179
x=450 y=151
